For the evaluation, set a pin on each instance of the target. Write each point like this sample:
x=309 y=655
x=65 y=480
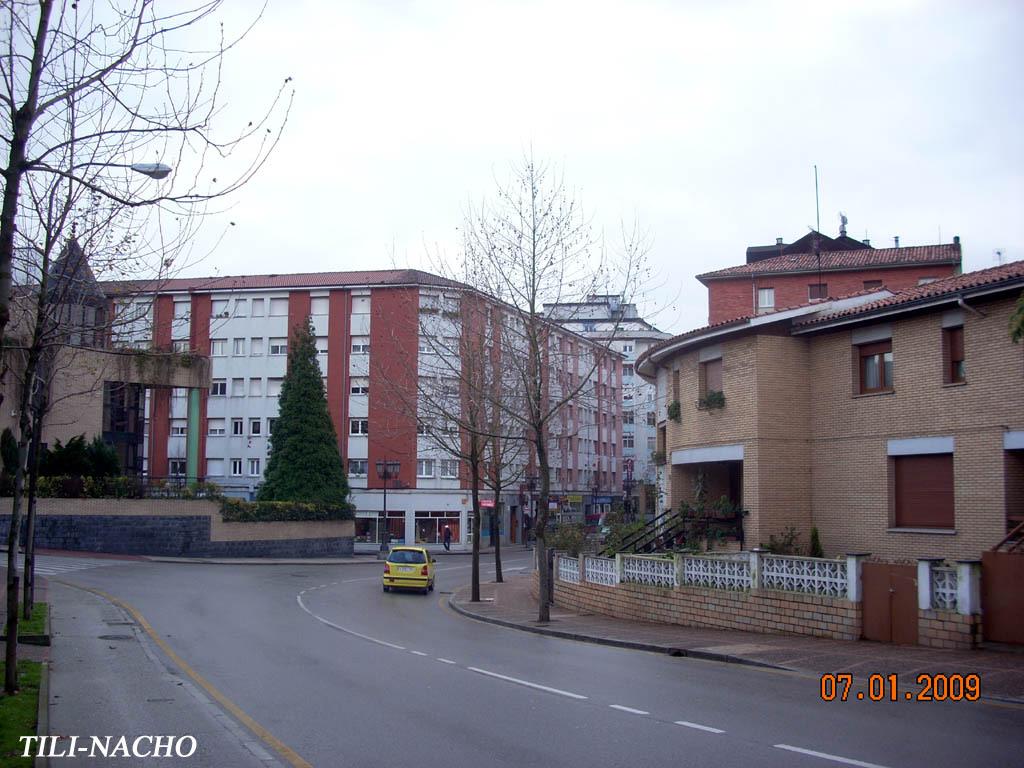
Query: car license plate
x=406 y=569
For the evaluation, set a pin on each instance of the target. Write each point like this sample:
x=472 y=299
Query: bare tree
x=533 y=247
x=98 y=100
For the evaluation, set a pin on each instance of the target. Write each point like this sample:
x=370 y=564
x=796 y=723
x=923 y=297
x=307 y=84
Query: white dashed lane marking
x=827 y=756
x=419 y=653
x=527 y=683
x=445 y=661
x=699 y=727
x=628 y=709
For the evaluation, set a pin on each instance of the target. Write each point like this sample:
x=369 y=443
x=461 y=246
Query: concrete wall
x=175 y=528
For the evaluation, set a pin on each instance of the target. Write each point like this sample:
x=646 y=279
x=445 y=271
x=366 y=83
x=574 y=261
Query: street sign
x=487 y=503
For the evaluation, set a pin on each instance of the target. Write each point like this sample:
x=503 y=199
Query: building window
x=424 y=468
x=255 y=387
x=953 y=354
x=214 y=467
x=215 y=427
x=279 y=346
x=237 y=428
x=255 y=427
x=627 y=348
x=871 y=285
x=218 y=387
x=256 y=346
x=627 y=370
x=274 y=387
x=359 y=426
x=765 y=299
x=219 y=308
x=218 y=347
x=360 y=345
x=360 y=387
x=254 y=468
x=180 y=345
x=241 y=307
x=182 y=310
x=271 y=423
x=817 y=291
x=238 y=347
x=710 y=376
x=279 y=307
x=319 y=306
x=926 y=280
x=651 y=418
x=875 y=367
x=176 y=467
x=449 y=468
x=627 y=417
x=627 y=440
x=923 y=491
x=357 y=467
x=179 y=428
x=236 y=467
x=321 y=345
x=238 y=387
x=258 y=306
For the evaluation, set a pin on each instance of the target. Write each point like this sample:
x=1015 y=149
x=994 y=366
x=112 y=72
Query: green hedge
x=241 y=511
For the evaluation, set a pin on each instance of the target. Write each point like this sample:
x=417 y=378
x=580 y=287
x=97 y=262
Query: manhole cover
x=116 y=637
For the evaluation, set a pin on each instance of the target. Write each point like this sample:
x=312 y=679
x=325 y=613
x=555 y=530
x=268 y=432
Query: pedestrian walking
x=447 y=539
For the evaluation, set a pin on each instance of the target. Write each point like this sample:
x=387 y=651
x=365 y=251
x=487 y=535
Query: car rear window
x=406 y=556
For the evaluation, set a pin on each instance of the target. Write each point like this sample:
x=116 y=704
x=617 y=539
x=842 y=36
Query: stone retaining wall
x=754 y=611
x=177 y=528
x=948 y=629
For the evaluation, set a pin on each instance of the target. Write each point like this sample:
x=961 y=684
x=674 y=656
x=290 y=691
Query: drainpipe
x=964 y=305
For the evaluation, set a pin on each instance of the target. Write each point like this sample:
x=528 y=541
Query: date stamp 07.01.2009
x=879 y=687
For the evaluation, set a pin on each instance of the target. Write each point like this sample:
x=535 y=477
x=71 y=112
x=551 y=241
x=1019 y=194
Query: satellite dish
x=153 y=170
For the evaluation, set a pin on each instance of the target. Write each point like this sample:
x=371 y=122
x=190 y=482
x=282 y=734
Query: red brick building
x=790 y=275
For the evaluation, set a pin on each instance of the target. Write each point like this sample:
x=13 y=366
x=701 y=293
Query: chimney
x=897 y=240
x=778 y=241
x=866 y=241
x=956 y=239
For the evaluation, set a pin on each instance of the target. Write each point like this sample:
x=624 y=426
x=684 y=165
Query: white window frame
x=179 y=427
x=259 y=307
x=216 y=427
x=359 y=427
x=218 y=347
x=255 y=468
x=363 y=464
x=255 y=387
x=219 y=388
x=237 y=387
x=449 y=469
x=238 y=347
x=237 y=427
x=425 y=468
x=236 y=468
x=182 y=463
x=761 y=306
x=275 y=304
x=256 y=346
x=256 y=426
x=277 y=346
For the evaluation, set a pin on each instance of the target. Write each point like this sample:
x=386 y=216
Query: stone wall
x=948 y=629
x=174 y=528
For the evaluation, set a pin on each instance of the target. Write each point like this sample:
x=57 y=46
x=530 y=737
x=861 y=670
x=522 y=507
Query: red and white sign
x=489 y=503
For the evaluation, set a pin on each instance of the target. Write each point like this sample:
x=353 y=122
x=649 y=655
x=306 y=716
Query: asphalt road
x=346 y=675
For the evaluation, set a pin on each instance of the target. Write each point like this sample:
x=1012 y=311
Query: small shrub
x=568 y=537
x=785 y=544
x=711 y=400
x=675 y=411
x=816 y=548
x=203 y=490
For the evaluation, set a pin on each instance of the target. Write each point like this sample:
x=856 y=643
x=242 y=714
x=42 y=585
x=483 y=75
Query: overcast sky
x=702 y=120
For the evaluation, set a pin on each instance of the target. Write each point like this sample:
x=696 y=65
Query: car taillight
x=423 y=571
x=387 y=568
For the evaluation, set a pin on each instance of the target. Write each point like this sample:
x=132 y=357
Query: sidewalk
x=511 y=604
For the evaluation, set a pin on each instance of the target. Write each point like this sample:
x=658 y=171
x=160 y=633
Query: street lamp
x=385 y=471
x=153 y=170
x=627 y=490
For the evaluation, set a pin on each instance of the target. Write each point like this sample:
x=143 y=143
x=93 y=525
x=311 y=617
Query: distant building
x=818 y=267
x=607 y=320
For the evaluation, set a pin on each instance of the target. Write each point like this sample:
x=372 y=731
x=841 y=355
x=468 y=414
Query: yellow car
x=409 y=567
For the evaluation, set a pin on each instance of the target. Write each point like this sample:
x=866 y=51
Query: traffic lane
x=773 y=707
x=336 y=699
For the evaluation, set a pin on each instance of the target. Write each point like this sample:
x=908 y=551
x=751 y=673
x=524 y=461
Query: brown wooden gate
x=890 y=603
x=1002 y=598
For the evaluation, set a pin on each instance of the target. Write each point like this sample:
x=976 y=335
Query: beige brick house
x=891 y=421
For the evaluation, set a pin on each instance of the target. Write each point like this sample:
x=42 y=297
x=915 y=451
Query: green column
x=192 y=453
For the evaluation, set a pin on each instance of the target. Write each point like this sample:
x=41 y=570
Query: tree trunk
x=475 y=484
x=11 y=650
x=29 y=594
x=497 y=546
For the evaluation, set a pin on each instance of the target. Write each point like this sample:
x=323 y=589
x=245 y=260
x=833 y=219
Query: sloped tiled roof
x=951 y=286
x=282 y=281
x=838 y=261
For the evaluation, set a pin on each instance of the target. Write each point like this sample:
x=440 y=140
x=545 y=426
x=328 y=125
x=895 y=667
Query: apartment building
x=893 y=421
x=379 y=335
x=816 y=268
x=618 y=325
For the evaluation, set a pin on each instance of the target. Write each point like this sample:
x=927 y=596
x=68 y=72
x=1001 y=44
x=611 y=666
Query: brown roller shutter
x=924 y=491
x=713 y=376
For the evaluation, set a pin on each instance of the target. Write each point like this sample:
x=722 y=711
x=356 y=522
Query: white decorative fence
x=804 y=574
x=658 y=571
x=944 y=589
x=568 y=569
x=717 y=572
x=600 y=570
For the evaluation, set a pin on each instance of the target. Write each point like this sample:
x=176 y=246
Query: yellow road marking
x=280 y=747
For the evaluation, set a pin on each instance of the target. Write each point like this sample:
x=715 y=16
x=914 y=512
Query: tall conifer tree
x=304 y=461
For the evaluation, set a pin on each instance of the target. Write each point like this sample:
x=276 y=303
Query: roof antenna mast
x=817 y=207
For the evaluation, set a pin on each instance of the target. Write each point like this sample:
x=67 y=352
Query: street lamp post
x=627 y=499
x=385 y=471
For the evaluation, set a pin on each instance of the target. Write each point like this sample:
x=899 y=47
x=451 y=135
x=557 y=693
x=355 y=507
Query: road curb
x=628 y=644
x=354 y=560
x=43 y=713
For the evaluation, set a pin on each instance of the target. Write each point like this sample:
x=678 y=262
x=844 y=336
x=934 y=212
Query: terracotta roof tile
x=1012 y=272
x=837 y=261
x=281 y=281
